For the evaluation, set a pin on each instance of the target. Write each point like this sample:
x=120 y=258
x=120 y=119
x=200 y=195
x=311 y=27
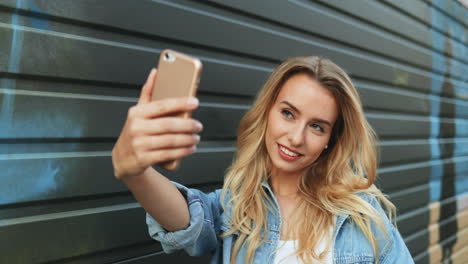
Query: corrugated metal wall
x=69 y=70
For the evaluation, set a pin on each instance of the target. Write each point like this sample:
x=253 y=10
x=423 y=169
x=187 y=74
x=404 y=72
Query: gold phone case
x=178 y=76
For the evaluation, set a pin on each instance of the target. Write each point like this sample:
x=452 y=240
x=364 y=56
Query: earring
x=326 y=146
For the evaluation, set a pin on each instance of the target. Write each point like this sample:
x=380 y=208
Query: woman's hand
x=151 y=136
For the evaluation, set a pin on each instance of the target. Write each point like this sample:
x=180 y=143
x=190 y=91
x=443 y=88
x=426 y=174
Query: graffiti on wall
x=445 y=179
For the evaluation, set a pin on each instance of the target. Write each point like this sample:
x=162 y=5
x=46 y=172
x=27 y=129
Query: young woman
x=301 y=188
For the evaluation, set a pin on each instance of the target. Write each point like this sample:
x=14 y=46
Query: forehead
x=309 y=97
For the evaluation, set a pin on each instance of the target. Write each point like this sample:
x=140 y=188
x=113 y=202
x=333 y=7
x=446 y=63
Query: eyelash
x=289 y=115
x=320 y=128
x=286 y=113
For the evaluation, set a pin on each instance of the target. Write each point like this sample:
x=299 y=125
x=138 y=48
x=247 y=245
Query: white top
x=288 y=247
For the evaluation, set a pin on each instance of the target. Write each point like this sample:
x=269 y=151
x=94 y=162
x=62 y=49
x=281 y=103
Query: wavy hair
x=332 y=183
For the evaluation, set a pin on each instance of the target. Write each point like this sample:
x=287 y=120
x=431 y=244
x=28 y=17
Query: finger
x=174 y=125
x=147 y=89
x=167 y=141
x=168 y=106
x=159 y=156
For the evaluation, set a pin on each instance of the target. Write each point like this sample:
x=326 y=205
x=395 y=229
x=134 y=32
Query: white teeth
x=290 y=153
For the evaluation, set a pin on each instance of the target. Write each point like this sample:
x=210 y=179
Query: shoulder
x=375 y=202
x=381 y=225
x=381 y=228
x=392 y=247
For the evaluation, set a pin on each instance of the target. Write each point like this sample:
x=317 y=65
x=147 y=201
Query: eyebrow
x=318 y=120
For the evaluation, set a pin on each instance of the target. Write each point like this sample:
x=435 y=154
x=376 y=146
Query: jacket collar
x=340 y=219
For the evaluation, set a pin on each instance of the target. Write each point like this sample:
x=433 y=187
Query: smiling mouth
x=289 y=152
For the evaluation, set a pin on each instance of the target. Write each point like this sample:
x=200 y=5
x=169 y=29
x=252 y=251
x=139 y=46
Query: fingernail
x=193 y=101
x=199 y=125
x=196 y=137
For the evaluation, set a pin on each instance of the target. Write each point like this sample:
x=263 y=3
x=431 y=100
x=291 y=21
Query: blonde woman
x=300 y=190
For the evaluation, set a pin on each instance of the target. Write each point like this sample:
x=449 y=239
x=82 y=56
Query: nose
x=296 y=135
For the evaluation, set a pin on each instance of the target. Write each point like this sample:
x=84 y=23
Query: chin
x=288 y=169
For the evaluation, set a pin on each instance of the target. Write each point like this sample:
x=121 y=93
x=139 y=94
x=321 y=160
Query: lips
x=288 y=154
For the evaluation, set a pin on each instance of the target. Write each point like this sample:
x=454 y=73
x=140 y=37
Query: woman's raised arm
x=151 y=136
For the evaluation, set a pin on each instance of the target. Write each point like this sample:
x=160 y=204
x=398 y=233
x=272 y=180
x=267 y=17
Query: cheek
x=316 y=144
x=274 y=128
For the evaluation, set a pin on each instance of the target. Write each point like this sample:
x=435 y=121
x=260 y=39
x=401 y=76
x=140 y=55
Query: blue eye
x=317 y=127
x=287 y=114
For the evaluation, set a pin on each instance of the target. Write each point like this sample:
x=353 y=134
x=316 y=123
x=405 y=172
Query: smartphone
x=178 y=76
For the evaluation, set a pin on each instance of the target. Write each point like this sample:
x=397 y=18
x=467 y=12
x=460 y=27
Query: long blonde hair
x=332 y=182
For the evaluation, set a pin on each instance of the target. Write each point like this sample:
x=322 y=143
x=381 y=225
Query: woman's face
x=300 y=123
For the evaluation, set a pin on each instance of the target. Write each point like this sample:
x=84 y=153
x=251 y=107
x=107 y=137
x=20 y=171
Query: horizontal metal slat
x=411 y=198
x=61 y=117
x=90 y=59
x=72 y=236
x=305 y=16
x=384 y=98
x=426 y=13
x=408 y=151
x=417 y=174
x=161 y=257
x=405 y=126
x=46 y=178
x=455 y=12
x=389 y=72
x=405 y=24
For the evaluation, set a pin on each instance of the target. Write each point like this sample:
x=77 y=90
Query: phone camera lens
x=169 y=57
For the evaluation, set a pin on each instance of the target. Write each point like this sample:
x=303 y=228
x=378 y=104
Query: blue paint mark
x=438 y=63
x=434 y=118
x=447 y=179
x=462 y=185
x=436 y=177
x=46 y=182
x=450 y=68
x=37 y=181
x=8 y=102
x=435 y=186
x=38 y=22
x=6 y=114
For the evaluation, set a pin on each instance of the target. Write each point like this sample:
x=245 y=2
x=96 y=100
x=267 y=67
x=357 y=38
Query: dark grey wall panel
x=160 y=257
x=410 y=222
x=418 y=242
x=71 y=234
x=454 y=10
x=137 y=63
x=299 y=43
x=401 y=126
x=423 y=12
x=74 y=116
x=66 y=175
x=306 y=15
x=69 y=71
x=403 y=101
x=397 y=152
x=411 y=198
x=400 y=25
x=82 y=116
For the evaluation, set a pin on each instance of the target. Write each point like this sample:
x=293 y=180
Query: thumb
x=147 y=90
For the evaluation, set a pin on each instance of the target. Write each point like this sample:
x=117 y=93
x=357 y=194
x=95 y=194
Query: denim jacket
x=208 y=221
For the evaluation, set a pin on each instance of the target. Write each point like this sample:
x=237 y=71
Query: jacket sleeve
x=200 y=237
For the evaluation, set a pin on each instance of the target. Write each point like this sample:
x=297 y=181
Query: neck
x=284 y=184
